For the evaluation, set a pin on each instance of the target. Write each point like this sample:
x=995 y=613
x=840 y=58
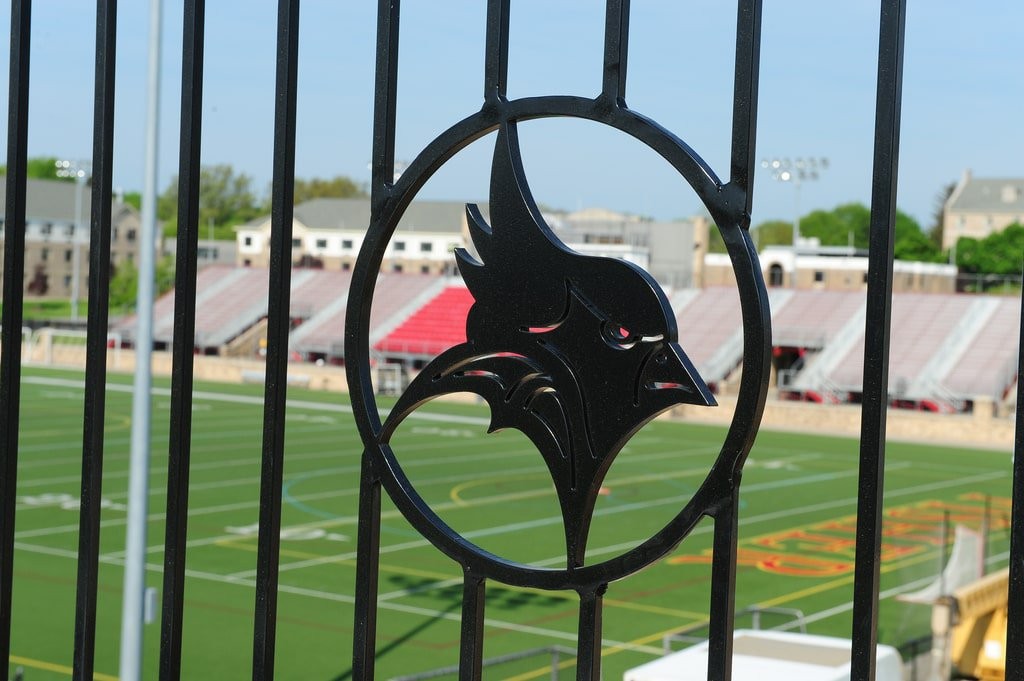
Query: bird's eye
x=618 y=335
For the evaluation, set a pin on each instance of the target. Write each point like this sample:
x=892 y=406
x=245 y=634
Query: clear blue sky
x=962 y=93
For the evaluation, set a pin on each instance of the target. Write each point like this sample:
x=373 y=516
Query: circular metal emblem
x=577 y=352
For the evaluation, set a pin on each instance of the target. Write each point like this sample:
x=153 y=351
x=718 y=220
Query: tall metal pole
x=796 y=171
x=76 y=256
x=79 y=170
x=133 y=608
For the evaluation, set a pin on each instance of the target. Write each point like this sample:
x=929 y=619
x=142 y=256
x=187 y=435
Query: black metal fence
x=552 y=398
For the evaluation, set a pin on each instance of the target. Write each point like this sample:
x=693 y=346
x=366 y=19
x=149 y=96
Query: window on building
x=296 y=243
x=399 y=245
x=426 y=247
x=130 y=236
x=346 y=244
x=819 y=275
x=247 y=241
x=397 y=267
x=321 y=243
x=346 y=266
x=67 y=281
x=44 y=254
x=775 y=275
x=67 y=255
x=425 y=269
x=113 y=233
x=45 y=229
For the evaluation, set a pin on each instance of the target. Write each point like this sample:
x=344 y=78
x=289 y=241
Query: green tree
x=41 y=168
x=226 y=199
x=915 y=245
x=998 y=253
x=939 y=213
x=850 y=224
x=773 y=233
x=839 y=226
x=339 y=187
x=133 y=199
x=164 y=278
x=124 y=285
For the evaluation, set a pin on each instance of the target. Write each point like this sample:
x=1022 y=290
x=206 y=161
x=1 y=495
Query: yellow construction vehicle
x=969 y=630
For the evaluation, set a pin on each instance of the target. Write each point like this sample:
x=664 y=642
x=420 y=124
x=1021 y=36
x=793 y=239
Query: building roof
x=988 y=195
x=50 y=200
x=354 y=214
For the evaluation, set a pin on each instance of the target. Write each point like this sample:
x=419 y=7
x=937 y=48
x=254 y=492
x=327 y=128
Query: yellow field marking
x=843 y=581
x=643 y=640
x=456 y=494
x=537 y=673
x=653 y=609
x=650 y=638
x=58 y=668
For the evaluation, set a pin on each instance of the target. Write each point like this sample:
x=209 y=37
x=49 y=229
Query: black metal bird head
x=576 y=351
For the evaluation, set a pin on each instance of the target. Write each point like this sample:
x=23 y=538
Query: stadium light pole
x=797 y=171
x=133 y=609
x=80 y=171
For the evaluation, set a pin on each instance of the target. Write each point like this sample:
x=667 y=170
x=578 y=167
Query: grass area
x=796 y=534
x=51 y=309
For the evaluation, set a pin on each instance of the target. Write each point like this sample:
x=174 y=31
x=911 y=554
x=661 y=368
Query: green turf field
x=796 y=534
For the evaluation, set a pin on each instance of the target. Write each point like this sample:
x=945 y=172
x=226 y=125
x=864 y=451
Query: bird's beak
x=668 y=369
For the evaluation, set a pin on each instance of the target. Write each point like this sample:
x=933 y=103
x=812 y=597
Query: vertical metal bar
x=180 y=445
x=13 y=298
x=496 y=50
x=616 y=51
x=278 y=314
x=133 y=605
x=744 y=113
x=876 y=340
x=381 y=177
x=385 y=97
x=96 y=341
x=1015 y=599
x=723 y=591
x=471 y=654
x=588 y=647
x=367 y=570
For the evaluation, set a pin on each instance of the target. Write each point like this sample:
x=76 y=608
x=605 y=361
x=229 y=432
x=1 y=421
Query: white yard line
x=551 y=520
x=342 y=598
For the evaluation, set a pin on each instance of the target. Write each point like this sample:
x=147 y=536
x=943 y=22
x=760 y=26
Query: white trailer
x=760 y=655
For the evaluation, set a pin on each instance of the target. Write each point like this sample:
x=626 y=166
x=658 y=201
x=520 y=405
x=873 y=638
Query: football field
x=796 y=544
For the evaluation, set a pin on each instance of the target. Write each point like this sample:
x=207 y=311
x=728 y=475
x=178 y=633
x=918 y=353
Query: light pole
x=797 y=171
x=79 y=170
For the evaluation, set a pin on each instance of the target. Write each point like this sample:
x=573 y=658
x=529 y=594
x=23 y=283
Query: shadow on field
x=397 y=642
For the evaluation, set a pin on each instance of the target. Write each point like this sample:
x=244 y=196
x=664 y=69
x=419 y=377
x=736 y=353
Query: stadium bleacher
x=947 y=349
x=989 y=364
x=435 y=327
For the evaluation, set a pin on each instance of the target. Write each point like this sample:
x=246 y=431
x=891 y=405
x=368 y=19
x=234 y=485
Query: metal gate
x=576 y=352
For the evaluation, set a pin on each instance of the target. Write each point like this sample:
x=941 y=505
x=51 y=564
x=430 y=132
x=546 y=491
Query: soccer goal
x=50 y=346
